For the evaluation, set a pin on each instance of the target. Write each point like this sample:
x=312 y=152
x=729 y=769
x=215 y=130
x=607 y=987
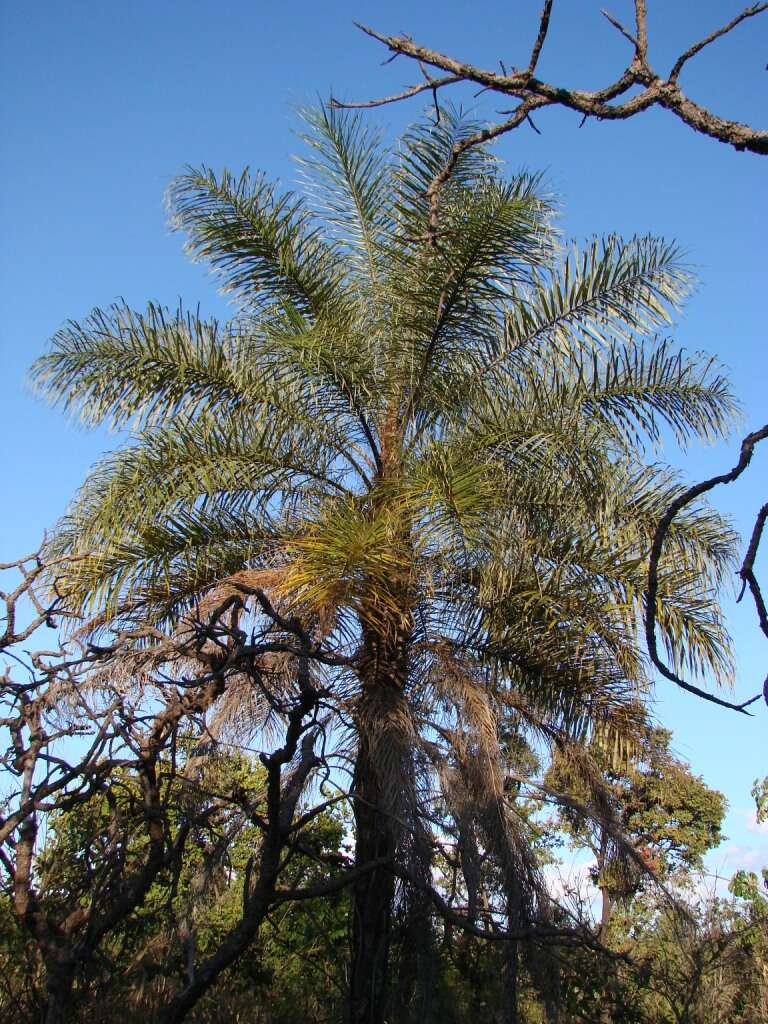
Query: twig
x=542 y=35
x=749 y=12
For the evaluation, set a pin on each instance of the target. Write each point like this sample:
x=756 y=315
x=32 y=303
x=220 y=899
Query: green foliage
x=760 y=794
x=670 y=817
x=519 y=383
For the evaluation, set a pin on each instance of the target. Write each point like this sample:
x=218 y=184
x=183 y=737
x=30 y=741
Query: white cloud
x=753 y=825
x=733 y=857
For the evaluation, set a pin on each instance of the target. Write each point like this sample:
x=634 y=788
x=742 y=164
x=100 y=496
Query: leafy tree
x=670 y=815
x=429 y=444
x=672 y=812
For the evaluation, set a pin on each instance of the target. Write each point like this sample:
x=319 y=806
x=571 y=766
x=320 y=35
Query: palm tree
x=430 y=443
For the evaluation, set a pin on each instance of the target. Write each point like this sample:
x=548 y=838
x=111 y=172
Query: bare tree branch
x=749 y=12
x=747 y=571
x=689 y=495
x=657 y=89
x=133 y=699
x=534 y=93
x=542 y=35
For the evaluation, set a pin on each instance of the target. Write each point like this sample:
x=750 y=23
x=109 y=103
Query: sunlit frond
x=155 y=573
x=613 y=290
x=121 y=367
x=349 y=180
x=266 y=247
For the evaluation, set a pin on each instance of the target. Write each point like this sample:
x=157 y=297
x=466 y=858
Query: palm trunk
x=372 y=897
x=381 y=782
x=412 y=993
x=382 y=723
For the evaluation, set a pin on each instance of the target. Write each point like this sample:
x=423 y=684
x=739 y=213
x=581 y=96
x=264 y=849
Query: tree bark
x=412 y=993
x=59 y=1002
x=372 y=896
x=381 y=783
x=606 y=913
x=383 y=775
x=511 y=958
x=511 y=964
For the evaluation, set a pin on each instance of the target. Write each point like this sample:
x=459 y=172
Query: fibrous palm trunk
x=372 y=897
x=382 y=781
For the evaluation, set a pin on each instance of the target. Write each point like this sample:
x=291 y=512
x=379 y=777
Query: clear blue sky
x=102 y=103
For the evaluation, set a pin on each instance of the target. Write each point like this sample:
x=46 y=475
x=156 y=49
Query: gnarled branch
x=746 y=572
x=617 y=101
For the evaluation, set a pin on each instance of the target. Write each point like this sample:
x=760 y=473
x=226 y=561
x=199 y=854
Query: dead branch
x=617 y=101
x=134 y=700
x=746 y=572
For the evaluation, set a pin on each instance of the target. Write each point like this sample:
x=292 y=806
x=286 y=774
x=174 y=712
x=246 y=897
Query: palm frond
x=266 y=247
x=614 y=290
x=121 y=367
x=233 y=463
x=422 y=154
x=349 y=178
x=635 y=389
x=155 y=573
x=492 y=237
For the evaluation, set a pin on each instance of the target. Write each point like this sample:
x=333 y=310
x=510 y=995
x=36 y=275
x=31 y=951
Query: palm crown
x=442 y=428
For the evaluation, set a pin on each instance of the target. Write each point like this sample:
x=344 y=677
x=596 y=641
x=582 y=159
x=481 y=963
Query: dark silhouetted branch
x=689 y=495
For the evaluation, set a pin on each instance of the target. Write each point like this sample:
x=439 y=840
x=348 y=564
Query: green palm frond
x=692 y=629
x=494 y=236
x=699 y=540
x=422 y=153
x=348 y=557
x=636 y=389
x=156 y=572
x=349 y=181
x=121 y=367
x=233 y=463
x=266 y=247
x=334 y=370
x=614 y=290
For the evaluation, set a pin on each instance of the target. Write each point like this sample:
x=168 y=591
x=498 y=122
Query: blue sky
x=102 y=103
